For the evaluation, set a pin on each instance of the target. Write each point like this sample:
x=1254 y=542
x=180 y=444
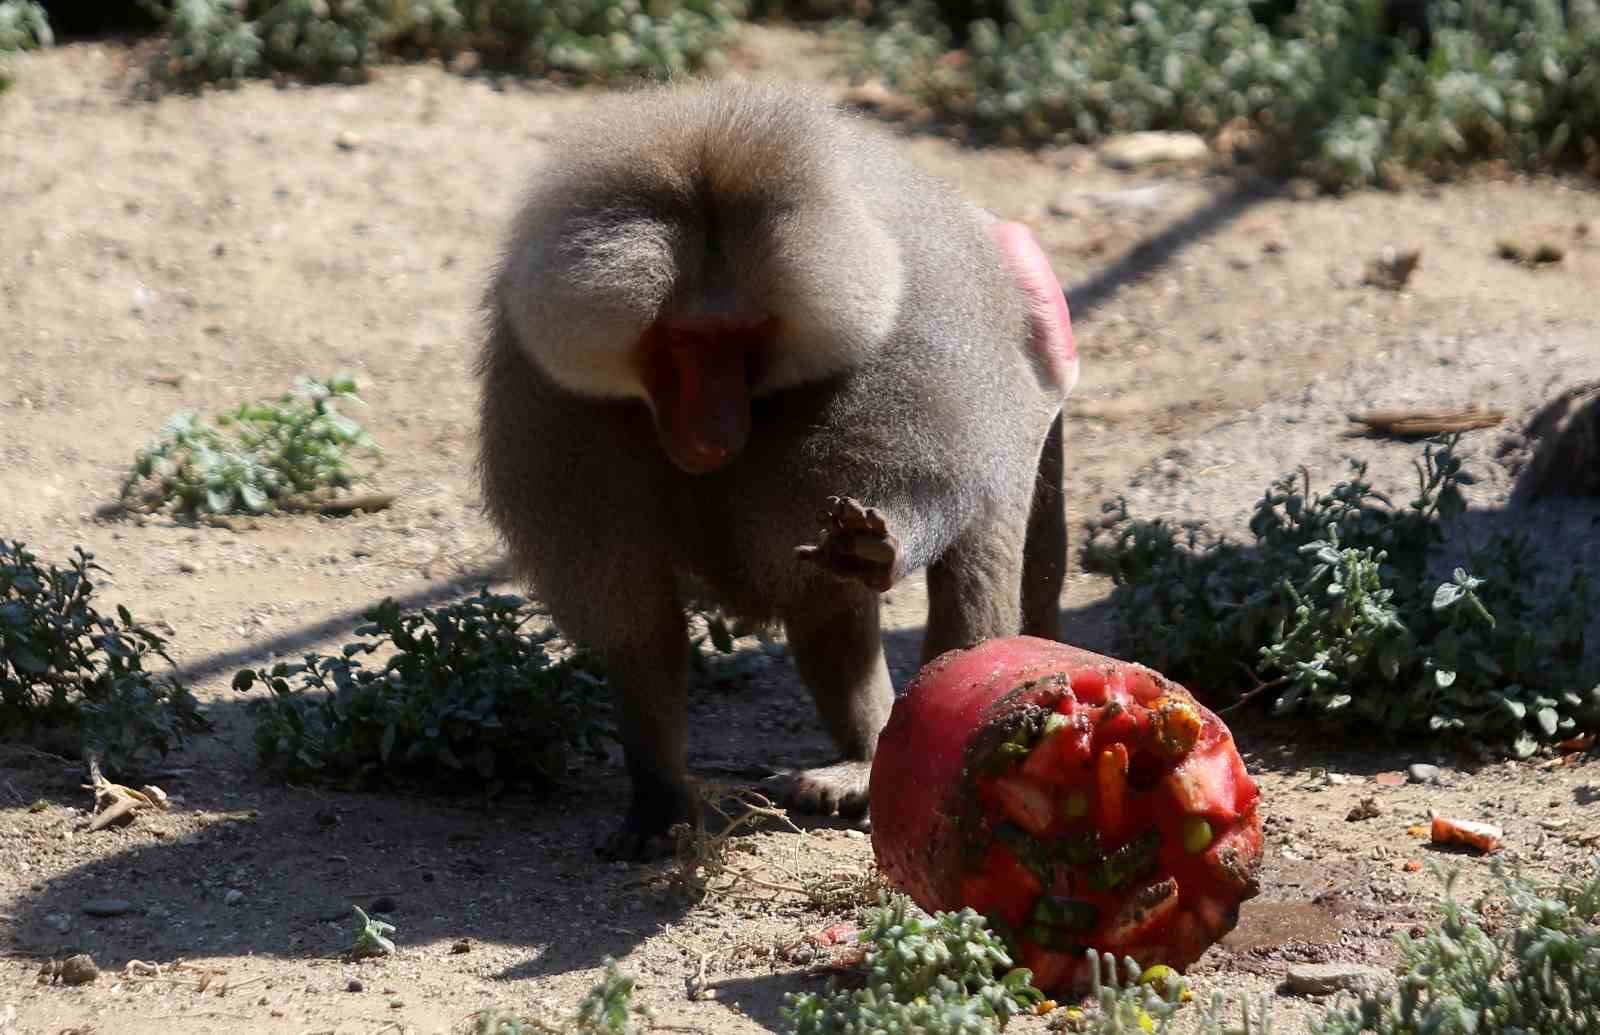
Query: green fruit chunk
x=1056 y=939
x=1134 y=860
x=1197 y=835
x=1070 y=913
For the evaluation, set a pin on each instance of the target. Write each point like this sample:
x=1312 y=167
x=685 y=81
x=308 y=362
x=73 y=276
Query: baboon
x=721 y=309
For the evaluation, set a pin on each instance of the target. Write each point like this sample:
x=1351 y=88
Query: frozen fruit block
x=1076 y=800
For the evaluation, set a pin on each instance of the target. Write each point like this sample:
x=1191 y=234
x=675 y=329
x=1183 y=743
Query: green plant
x=256 y=458
x=1328 y=88
x=229 y=40
x=1535 y=970
x=372 y=939
x=1531 y=965
x=606 y=1009
x=23 y=25
x=950 y=974
x=66 y=667
x=1332 y=611
x=466 y=691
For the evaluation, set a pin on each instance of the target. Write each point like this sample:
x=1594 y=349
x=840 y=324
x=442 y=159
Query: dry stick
x=1253 y=692
x=370 y=502
x=1417 y=423
x=695 y=985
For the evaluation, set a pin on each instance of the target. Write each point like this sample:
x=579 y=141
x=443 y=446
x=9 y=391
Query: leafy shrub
x=947 y=975
x=466 y=691
x=23 y=25
x=1332 y=611
x=1535 y=970
x=372 y=938
x=256 y=458
x=1335 y=92
x=66 y=667
x=1529 y=966
x=229 y=40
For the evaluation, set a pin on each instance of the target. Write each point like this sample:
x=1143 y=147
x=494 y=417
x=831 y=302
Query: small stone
x=107 y=906
x=1137 y=150
x=61 y=922
x=395 y=1004
x=354 y=985
x=188 y=567
x=460 y=946
x=1389 y=779
x=347 y=141
x=78 y=970
x=233 y=897
x=1329 y=978
x=1422 y=772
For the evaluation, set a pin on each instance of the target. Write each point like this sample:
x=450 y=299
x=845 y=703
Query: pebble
x=347 y=141
x=233 y=897
x=354 y=985
x=1329 y=978
x=78 y=970
x=107 y=906
x=1421 y=772
x=188 y=567
x=60 y=921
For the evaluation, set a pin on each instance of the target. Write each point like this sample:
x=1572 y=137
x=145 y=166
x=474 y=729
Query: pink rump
x=1051 y=323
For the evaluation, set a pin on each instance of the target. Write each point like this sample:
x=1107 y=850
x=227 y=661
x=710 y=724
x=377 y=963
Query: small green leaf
x=1548 y=720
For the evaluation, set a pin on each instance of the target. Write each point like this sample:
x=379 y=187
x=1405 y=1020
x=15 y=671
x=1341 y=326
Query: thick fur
x=901 y=377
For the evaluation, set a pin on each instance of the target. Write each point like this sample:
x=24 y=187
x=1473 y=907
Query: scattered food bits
x=1484 y=837
x=1417 y=830
x=837 y=934
x=1411 y=866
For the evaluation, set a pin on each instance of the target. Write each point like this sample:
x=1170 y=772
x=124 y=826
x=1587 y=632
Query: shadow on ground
x=441 y=868
x=445 y=869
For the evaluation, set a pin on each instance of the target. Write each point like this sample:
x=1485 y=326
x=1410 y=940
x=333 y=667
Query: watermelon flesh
x=1076 y=800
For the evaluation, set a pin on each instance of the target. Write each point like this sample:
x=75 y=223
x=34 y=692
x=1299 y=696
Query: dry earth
x=197 y=252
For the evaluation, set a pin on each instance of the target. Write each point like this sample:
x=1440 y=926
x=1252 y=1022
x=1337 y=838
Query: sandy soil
x=197 y=252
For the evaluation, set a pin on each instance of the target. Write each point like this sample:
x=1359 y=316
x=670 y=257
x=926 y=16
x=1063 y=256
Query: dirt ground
x=197 y=252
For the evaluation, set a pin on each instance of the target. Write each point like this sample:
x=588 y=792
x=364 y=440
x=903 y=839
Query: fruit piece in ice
x=1077 y=800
